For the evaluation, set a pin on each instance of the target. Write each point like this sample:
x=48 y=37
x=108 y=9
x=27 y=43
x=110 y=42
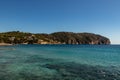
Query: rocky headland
x=16 y=37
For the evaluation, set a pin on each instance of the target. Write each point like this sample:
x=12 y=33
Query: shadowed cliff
x=80 y=38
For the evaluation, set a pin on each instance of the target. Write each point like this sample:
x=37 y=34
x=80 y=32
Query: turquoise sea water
x=60 y=62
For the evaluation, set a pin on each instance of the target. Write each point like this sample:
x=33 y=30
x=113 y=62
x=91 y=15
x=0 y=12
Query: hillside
x=16 y=37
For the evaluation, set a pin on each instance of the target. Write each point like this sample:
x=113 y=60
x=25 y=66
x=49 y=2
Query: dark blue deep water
x=60 y=62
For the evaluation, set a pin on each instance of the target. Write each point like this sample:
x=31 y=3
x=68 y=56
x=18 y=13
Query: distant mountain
x=16 y=37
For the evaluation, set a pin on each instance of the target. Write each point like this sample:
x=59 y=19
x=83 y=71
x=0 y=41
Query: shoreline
x=8 y=44
x=5 y=44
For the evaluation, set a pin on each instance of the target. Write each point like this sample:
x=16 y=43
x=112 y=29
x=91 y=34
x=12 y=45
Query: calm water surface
x=60 y=62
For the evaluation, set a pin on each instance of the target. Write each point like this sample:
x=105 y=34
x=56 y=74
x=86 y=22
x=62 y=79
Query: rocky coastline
x=16 y=37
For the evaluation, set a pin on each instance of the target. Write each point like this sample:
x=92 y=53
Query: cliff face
x=79 y=38
x=17 y=37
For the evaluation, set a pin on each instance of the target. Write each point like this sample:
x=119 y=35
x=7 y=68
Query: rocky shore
x=16 y=37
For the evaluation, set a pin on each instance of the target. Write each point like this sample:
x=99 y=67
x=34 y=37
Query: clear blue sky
x=46 y=16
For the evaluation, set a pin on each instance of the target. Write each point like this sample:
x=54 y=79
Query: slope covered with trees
x=16 y=37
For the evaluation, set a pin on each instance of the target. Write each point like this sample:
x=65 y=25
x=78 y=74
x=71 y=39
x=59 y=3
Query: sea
x=60 y=62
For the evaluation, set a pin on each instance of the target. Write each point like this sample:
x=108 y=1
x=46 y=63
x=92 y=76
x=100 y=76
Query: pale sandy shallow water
x=60 y=62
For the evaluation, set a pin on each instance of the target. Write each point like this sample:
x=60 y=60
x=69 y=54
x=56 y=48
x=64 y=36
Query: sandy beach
x=5 y=44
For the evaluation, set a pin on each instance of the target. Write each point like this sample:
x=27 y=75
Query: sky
x=47 y=16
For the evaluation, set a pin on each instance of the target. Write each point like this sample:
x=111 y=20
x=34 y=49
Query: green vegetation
x=16 y=37
x=80 y=38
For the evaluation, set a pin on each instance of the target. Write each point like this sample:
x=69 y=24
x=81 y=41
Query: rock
x=80 y=38
x=53 y=38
